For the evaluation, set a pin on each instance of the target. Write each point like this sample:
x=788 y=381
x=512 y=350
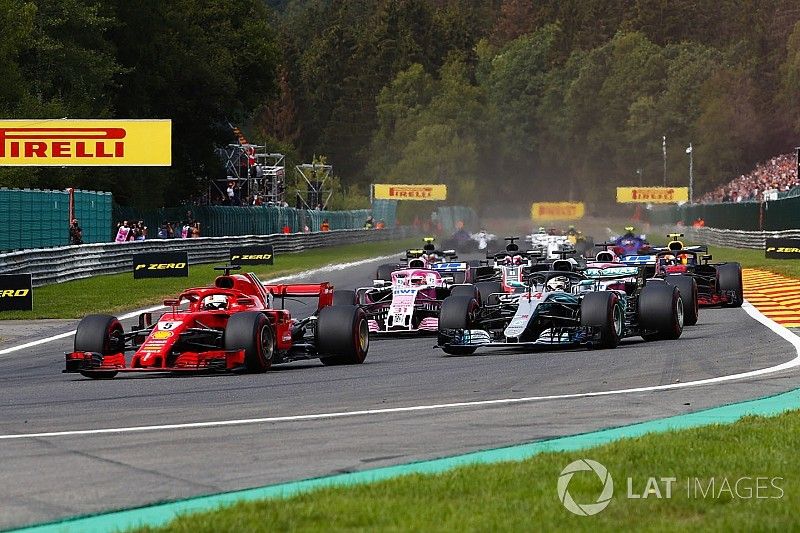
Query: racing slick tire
x=486 y=289
x=385 y=271
x=99 y=334
x=466 y=289
x=458 y=312
x=661 y=311
x=252 y=332
x=730 y=279
x=342 y=335
x=344 y=297
x=602 y=310
x=688 y=287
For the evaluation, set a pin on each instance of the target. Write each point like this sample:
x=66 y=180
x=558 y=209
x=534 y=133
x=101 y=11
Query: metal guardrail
x=735 y=238
x=56 y=265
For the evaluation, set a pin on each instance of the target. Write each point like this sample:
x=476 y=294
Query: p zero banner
x=131 y=143
x=652 y=195
x=16 y=292
x=777 y=248
x=253 y=255
x=385 y=191
x=557 y=210
x=161 y=265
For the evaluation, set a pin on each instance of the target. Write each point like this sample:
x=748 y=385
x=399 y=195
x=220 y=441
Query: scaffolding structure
x=257 y=175
x=313 y=185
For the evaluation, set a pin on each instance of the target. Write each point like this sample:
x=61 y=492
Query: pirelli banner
x=41 y=142
x=384 y=191
x=161 y=265
x=253 y=255
x=782 y=248
x=16 y=292
x=557 y=210
x=652 y=195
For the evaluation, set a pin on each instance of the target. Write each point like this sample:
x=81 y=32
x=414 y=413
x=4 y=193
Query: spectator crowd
x=779 y=174
x=137 y=231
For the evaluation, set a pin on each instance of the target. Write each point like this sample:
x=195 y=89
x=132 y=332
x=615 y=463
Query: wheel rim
x=267 y=343
x=363 y=336
x=679 y=312
x=618 y=321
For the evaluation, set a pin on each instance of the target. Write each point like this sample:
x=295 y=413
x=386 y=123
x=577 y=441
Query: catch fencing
x=34 y=218
x=56 y=265
x=772 y=215
x=222 y=221
x=732 y=238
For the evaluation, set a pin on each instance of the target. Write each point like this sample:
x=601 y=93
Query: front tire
x=342 y=335
x=101 y=334
x=603 y=310
x=251 y=331
x=458 y=312
x=661 y=311
x=344 y=297
x=688 y=287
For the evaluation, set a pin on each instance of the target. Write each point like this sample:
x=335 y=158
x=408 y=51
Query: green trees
x=491 y=97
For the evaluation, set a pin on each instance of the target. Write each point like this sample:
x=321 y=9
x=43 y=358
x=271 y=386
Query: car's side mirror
x=171 y=302
x=378 y=283
x=245 y=301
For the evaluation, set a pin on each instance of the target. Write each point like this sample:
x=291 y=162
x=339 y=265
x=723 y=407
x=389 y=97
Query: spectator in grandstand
x=123 y=231
x=139 y=231
x=325 y=226
x=75 y=232
x=369 y=223
x=778 y=174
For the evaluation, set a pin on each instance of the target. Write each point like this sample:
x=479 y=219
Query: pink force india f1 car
x=409 y=303
x=232 y=325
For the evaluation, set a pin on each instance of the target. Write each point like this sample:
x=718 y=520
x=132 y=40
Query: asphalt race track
x=45 y=478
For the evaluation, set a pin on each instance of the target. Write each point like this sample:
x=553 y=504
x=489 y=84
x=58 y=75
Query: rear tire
x=251 y=331
x=486 y=289
x=385 y=271
x=603 y=310
x=730 y=279
x=661 y=311
x=342 y=335
x=99 y=334
x=464 y=290
x=688 y=287
x=458 y=312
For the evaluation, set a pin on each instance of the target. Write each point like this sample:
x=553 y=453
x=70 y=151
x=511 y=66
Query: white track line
x=305 y=273
x=752 y=311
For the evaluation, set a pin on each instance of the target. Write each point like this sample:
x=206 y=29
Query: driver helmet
x=418 y=280
x=517 y=259
x=557 y=283
x=215 y=302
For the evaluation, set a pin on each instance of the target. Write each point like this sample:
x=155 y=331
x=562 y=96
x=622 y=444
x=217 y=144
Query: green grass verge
x=755 y=259
x=120 y=292
x=522 y=496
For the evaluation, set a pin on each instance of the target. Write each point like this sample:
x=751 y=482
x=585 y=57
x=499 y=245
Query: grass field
x=756 y=259
x=120 y=292
x=522 y=496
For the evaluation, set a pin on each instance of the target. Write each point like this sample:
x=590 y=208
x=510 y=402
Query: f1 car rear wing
x=323 y=291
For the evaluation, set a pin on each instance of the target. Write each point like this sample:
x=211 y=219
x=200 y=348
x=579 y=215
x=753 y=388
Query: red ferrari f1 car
x=230 y=326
